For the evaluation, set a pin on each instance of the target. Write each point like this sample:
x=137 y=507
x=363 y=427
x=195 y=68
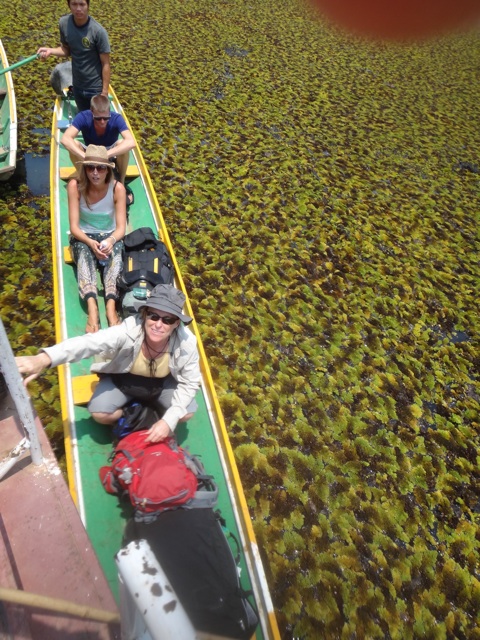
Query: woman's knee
x=107 y=418
x=186 y=417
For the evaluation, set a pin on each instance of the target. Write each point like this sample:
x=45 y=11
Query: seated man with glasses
x=103 y=127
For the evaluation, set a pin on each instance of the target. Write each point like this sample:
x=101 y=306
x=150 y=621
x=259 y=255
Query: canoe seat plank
x=132 y=171
x=63 y=124
x=67 y=172
x=3 y=93
x=83 y=387
x=67 y=255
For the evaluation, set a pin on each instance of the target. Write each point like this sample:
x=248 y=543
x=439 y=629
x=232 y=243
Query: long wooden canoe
x=88 y=444
x=8 y=121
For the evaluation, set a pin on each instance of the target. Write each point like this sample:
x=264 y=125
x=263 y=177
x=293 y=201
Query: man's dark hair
x=87 y=1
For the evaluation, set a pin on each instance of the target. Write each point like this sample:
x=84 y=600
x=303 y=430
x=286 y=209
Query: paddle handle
x=54 y=604
x=18 y=64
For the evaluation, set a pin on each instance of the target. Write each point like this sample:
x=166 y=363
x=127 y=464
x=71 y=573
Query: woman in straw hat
x=98 y=217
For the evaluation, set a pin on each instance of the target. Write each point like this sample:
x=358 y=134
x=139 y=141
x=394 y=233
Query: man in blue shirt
x=100 y=126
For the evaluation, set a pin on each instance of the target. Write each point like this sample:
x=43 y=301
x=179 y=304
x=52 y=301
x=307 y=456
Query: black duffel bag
x=195 y=555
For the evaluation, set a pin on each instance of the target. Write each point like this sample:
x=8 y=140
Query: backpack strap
x=206 y=495
x=250 y=610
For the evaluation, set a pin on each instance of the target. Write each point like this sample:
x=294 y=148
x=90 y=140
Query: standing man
x=86 y=41
x=100 y=126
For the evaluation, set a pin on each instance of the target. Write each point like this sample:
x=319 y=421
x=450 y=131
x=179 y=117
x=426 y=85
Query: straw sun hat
x=95 y=154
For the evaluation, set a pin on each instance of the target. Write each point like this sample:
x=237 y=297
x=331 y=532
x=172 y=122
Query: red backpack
x=157 y=476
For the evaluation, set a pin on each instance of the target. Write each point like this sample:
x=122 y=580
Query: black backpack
x=193 y=551
x=146 y=263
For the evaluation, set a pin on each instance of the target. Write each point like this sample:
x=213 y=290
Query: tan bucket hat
x=95 y=154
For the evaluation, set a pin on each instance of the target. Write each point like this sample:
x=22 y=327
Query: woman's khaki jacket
x=120 y=345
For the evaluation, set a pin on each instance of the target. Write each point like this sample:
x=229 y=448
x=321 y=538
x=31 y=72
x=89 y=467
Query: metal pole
x=19 y=395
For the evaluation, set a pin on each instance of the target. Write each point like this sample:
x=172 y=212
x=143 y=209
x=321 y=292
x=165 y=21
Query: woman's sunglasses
x=99 y=167
x=165 y=319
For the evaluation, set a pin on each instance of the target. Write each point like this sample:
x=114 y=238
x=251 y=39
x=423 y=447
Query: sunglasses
x=101 y=118
x=165 y=319
x=99 y=167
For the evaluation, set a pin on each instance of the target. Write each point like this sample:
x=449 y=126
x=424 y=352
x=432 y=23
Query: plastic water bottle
x=103 y=245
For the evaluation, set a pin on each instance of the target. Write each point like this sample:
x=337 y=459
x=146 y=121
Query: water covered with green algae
x=322 y=196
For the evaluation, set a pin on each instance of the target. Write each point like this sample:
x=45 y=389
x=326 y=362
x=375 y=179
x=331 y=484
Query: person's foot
x=113 y=319
x=92 y=326
x=111 y=312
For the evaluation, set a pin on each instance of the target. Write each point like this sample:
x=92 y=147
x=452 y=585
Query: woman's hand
x=158 y=432
x=110 y=242
x=102 y=254
x=32 y=366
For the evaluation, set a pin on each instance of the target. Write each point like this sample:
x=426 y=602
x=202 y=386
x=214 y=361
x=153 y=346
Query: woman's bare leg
x=111 y=311
x=93 y=321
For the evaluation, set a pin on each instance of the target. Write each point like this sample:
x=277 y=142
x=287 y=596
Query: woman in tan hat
x=98 y=217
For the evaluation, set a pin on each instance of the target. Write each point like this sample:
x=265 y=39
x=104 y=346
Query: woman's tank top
x=98 y=217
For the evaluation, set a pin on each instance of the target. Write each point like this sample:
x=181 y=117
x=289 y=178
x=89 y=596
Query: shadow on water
x=33 y=168
x=36 y=173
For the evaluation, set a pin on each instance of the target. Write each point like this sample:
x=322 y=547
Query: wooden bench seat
x=67 y=255
x=83 y=387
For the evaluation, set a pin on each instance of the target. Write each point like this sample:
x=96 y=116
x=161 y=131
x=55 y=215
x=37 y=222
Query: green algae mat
x=321 y=194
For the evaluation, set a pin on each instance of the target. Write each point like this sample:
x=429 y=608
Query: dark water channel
x=34 y=169
x=37 y=173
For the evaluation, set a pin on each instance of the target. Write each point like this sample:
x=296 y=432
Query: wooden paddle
x=19 y=64
x=53 y=604
x=27 y=599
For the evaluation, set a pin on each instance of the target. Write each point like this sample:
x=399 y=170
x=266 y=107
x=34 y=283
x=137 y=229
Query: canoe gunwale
x=8 y=166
